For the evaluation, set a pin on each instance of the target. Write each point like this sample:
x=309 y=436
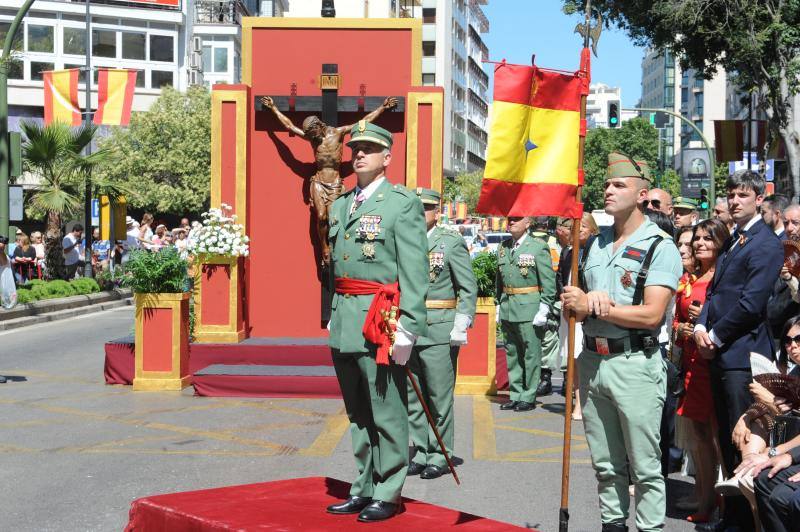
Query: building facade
x=600 y=95
x=452 y=53
x=170 y=42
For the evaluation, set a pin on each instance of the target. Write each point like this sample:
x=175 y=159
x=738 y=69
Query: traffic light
x=613 y=113
x=703 y=199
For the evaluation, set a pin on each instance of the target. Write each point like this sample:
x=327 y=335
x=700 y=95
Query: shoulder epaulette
x=400 y=189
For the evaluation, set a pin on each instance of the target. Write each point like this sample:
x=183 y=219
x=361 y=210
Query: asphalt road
x=75 y=452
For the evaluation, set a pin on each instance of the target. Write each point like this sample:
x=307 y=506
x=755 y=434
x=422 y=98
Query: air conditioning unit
x=195 y=77
x=196 y=61
x=197 y=44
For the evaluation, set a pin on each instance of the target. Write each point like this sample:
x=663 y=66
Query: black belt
x=617 y=345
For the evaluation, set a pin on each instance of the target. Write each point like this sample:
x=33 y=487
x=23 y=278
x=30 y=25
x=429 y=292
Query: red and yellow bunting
x=729 y=140
x=114 y=96
x=533 y=164
x=61 y=97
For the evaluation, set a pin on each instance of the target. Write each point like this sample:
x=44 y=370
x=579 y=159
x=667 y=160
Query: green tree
x=53 y=154
x=165 y=153
x=755 y=41
x=464 y=187
x=635 y=138
x=671 y=182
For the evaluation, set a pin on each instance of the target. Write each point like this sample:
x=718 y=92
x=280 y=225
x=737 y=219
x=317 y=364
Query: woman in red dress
x=696 y=408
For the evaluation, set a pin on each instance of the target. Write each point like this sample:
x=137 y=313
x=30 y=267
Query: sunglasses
x=787 y=340
x=656 y=204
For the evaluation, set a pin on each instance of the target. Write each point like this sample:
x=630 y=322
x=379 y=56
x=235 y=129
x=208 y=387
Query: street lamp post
x=5 y=150
x=711 y=160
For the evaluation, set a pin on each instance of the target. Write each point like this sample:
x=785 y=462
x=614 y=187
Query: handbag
x=787 y=426
x=8 y=290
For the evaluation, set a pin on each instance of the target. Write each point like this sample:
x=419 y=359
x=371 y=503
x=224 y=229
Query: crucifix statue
x=327 y=142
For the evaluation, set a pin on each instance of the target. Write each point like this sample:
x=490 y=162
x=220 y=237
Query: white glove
x=541 y=316
x=497 y=313
x=403 y=343
x=328 y=326
x=458 y=336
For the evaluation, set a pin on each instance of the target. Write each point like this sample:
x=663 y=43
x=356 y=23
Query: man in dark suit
x=772 y=211
x=733 y=322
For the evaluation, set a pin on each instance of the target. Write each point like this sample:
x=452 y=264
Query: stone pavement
x=76 y=452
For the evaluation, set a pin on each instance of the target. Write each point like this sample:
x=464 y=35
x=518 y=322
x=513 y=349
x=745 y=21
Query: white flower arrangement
x=219 y=234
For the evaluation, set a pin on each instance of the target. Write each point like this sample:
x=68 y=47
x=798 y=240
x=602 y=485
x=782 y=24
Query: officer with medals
x=379 y=262
x=629 y=276
x=526 y=287
x=550 y=343
x=452 y=296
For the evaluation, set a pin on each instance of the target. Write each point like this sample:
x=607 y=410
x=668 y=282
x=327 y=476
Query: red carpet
x=297 y=504
x=262 y=386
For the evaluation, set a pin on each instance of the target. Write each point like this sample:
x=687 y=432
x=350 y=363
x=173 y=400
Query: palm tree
x=53 y=153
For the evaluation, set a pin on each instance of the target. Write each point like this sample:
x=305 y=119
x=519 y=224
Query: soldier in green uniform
x=452 y=296
x=630 y=274
x=526 y=287
x=550 y=343
x=378 y=243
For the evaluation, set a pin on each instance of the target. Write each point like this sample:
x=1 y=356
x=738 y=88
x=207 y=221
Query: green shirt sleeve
x=666 y=268
x=464 y=282
x=411 y=241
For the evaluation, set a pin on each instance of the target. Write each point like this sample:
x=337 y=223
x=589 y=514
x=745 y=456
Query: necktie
x=360 y=197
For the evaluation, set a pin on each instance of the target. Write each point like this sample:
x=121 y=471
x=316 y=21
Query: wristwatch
x=773 y=452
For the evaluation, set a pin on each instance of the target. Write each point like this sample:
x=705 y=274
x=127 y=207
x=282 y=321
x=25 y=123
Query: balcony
x=429 y=32
x=460 y=48
x=223 y=13
x=459 y=138
x=429 y=65
x=459 y=77
x=477 y=13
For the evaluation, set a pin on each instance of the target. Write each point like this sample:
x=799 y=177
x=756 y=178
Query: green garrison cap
x=684 y=203
x=428 y=196
x=367 y=132
x=620 y=165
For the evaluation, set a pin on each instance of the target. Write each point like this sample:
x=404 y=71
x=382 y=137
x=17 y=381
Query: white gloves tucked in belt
x=458 y=336
x=403 y=343
x=541 y=317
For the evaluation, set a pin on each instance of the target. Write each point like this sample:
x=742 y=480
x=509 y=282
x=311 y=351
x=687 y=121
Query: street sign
x=95 y=212
x=769 y=165
x=16 y=209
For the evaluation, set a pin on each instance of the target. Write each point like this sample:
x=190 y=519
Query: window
x=16 y=69
x=160 y=78
x=104 y=43
x=133 y=45
x=695 y=136
x=698 y=104
x=162 y=48
x=429 y=48
x=74 y=41
x=220 y=59
x=40 y=38
x=4 y=27
x=207 y=52
x=37 y=70
x=429 y=15
x=684 y=95
x=429 y=79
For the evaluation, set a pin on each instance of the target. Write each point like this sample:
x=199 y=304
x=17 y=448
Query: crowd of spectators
x=25 y=257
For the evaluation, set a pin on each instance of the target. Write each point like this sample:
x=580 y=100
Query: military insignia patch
x=525 y=261
x=436 y=260
x=334 y=221
x=368 y=250
x=369 y=226
x=626 y=279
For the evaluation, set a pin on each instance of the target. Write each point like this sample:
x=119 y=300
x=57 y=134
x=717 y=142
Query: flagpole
x=563 y=513
x=87 y=203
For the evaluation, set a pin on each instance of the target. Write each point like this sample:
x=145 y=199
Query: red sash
x=375 y=329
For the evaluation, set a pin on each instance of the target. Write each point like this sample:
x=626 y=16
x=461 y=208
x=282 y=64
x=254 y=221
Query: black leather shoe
x=433 y=471
x=378 y=511
x=545 y=383
x=614 y=527
x=353 y=505
x=509 y=405
x=415 y=468
x=2 y=379
x=523 y=406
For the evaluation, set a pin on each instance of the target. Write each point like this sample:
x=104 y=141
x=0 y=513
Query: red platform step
x=297 y=504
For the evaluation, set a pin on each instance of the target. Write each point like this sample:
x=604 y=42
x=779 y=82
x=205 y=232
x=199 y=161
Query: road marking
x=329 y=438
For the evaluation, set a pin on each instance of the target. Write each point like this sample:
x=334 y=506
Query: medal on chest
x=369 y=226
x=626 y=279
x=436 y=260
x=368 y=250
x=525 y=261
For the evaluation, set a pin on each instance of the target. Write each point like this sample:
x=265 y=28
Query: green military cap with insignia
x=620 y=165
x=428 y=196
x=684 y=203
x=365 y=131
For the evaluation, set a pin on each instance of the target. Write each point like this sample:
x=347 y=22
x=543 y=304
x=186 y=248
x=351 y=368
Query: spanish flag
x=729 y=140
x=114 y=96
x=61 y=97
x=532 y=166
